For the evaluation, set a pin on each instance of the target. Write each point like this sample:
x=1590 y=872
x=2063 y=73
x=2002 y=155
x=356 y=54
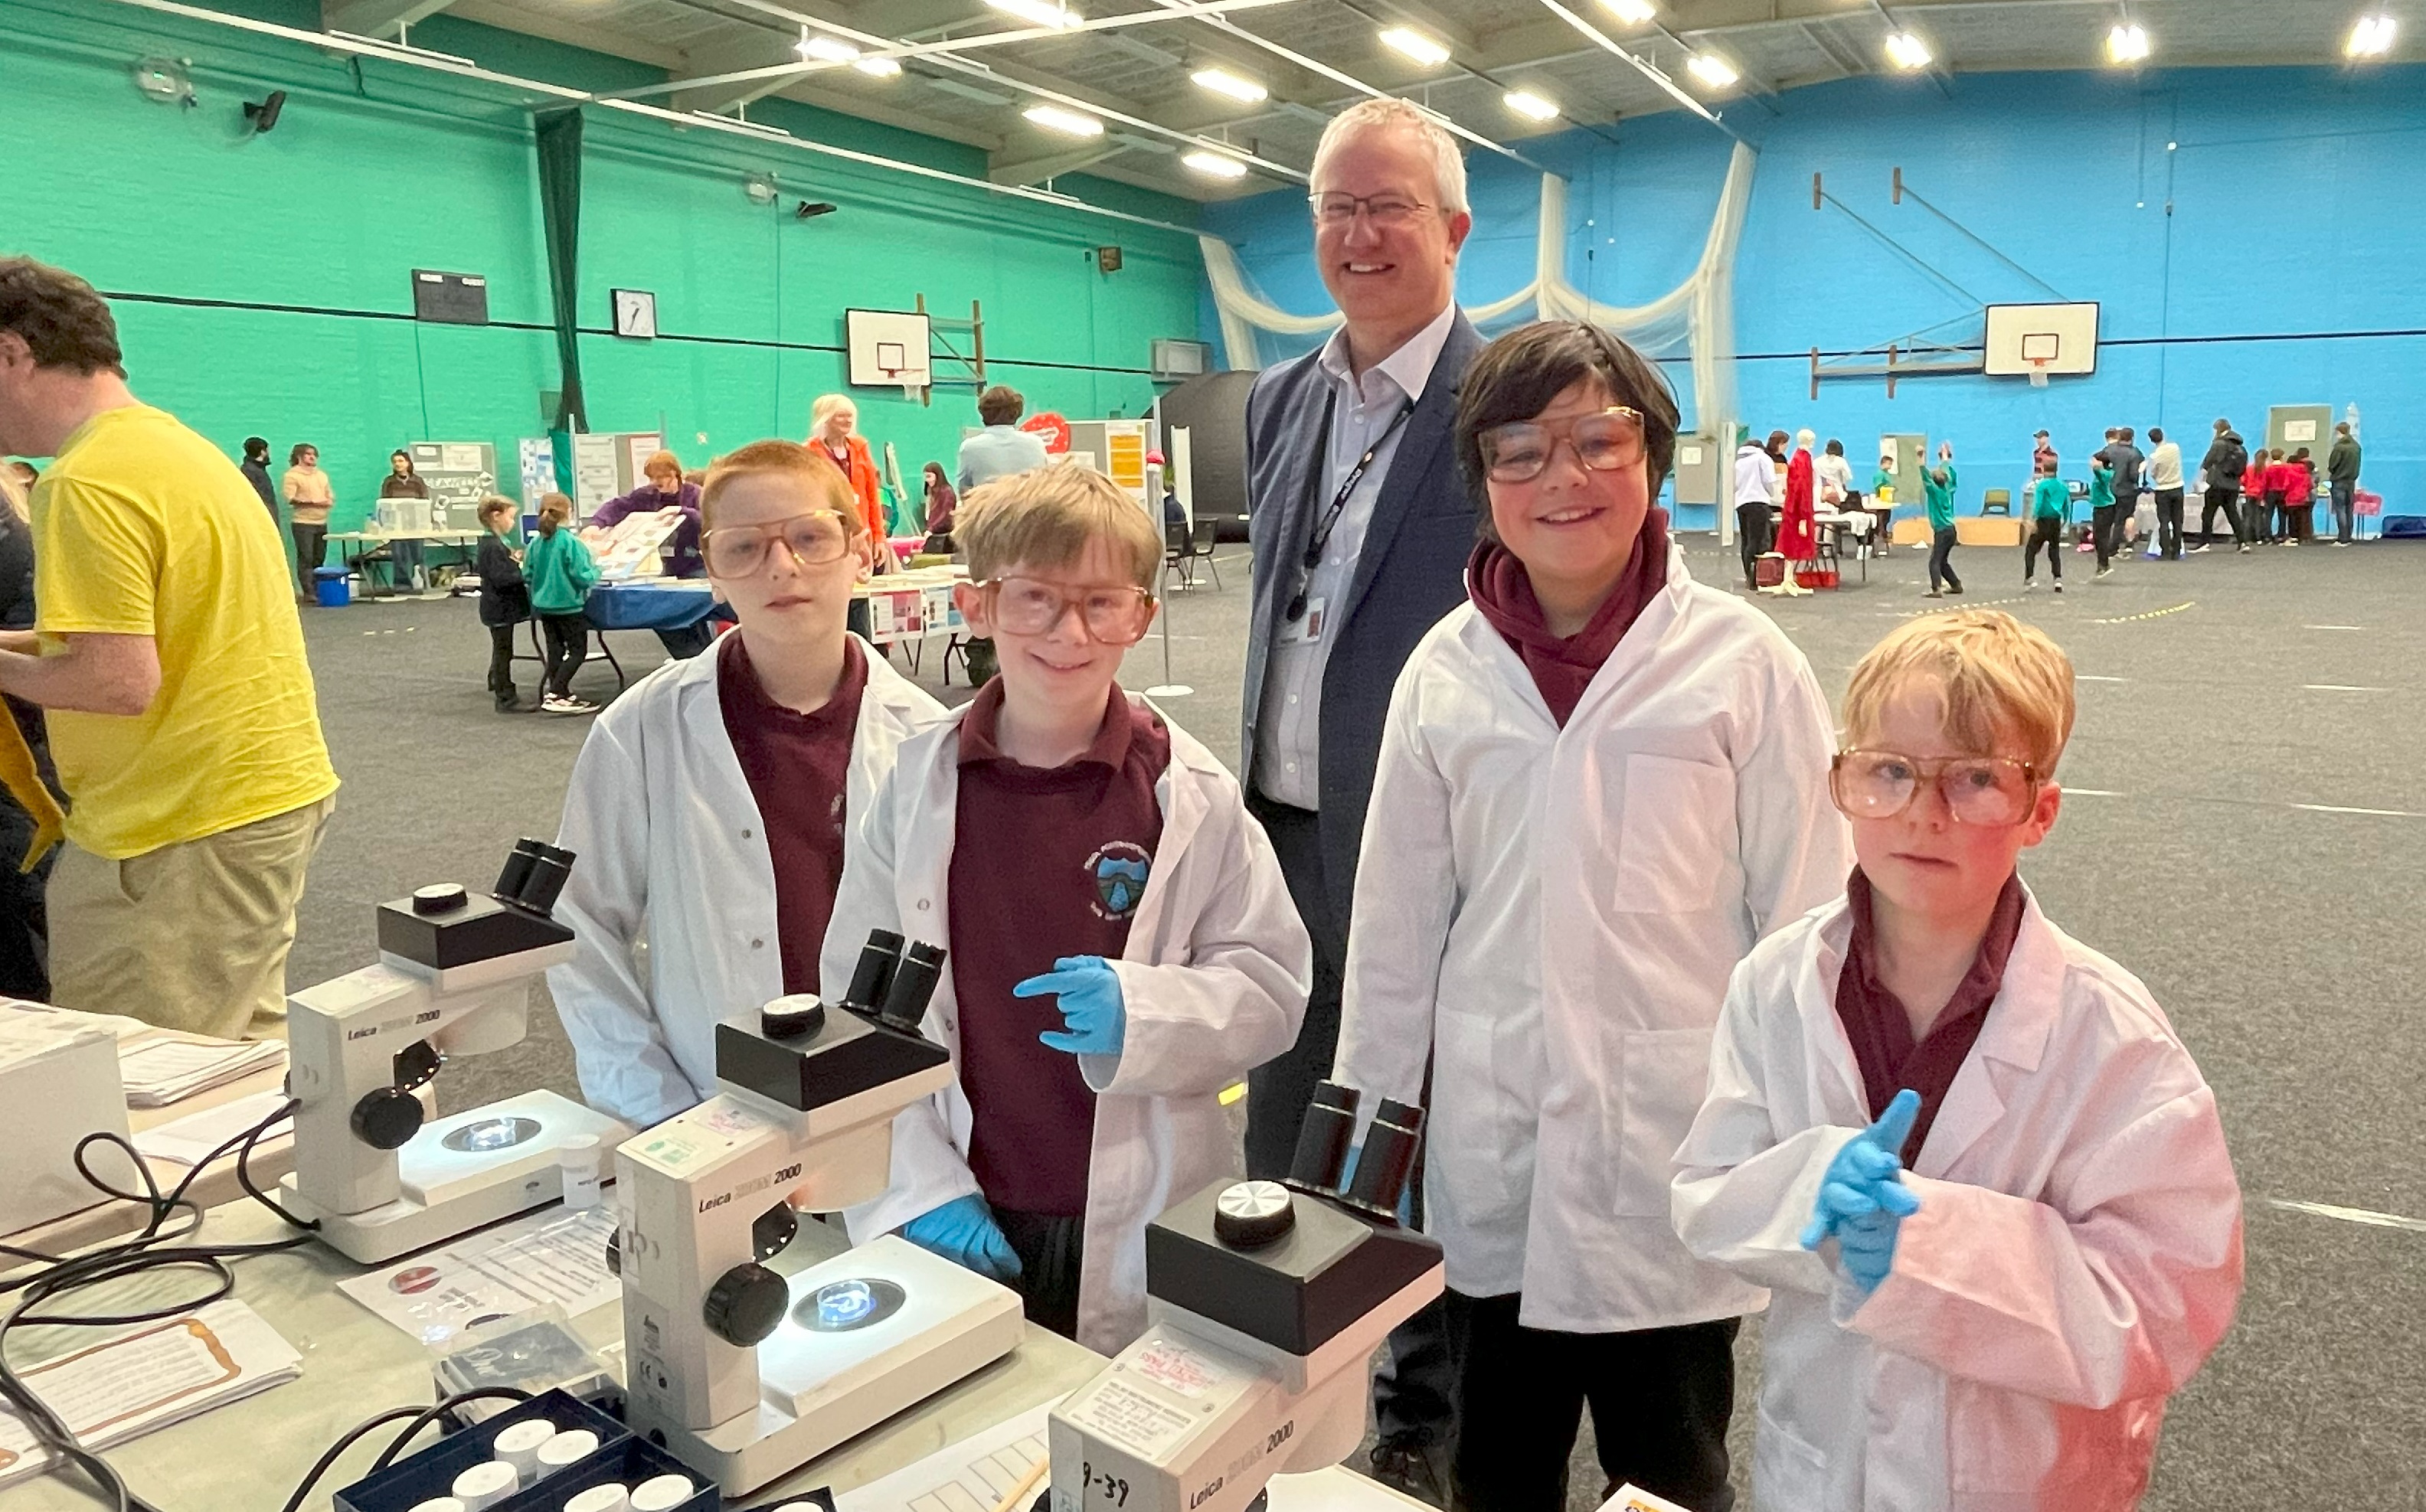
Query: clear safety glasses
x=1116 y=615
x=813 y=539
x=1990 y=790
x=1604 y=440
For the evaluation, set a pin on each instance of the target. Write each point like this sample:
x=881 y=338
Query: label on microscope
x=1177 y=1368
x=1124 y=1415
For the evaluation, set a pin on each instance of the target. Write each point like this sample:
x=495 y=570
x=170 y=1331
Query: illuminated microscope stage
x=464 y=1172
x=869 y=1333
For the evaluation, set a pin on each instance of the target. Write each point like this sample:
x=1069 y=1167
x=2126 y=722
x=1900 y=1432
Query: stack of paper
x=149 y=1377
x=166 y=1067
x=187 y=1141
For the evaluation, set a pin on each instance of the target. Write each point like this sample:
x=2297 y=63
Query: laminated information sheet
x=552 y=1256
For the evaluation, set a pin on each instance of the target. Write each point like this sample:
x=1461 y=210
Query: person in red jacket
x=2279 y=482
x=2298 y=497
x=2253 y=500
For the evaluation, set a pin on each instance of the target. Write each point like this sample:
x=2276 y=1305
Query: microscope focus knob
x=745 y=1303
x=1248 y=1214
x=387 y=1118
x=438 y=897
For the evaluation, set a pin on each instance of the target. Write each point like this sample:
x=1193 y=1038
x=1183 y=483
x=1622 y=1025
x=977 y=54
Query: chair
x=1997 y=501
x=1199 y=549
x=1174 y=549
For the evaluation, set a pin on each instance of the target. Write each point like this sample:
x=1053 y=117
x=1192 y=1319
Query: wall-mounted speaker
x=264 y=116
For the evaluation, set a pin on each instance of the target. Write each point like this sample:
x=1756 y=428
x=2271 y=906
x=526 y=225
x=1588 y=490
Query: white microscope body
x=453 y=979
x=1264 y=1303
x=736 y=1370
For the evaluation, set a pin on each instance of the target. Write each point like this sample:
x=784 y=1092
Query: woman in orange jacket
x=834 y=433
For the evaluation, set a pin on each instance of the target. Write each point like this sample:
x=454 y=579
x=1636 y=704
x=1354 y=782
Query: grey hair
x=1388 y=113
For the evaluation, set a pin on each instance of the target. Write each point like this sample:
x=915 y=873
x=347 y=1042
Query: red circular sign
x=1051 y=428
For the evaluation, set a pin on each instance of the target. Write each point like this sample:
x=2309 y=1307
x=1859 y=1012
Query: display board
x=607 y=465
x=538 y=470
x=460 y=474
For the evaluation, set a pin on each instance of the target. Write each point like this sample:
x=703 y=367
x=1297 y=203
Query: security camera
x=811 y=209
x=265 y=115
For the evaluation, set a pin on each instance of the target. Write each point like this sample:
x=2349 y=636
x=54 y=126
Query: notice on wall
x=538 y=470
x=594 y=473
x=2296 y=432
x=460 y=474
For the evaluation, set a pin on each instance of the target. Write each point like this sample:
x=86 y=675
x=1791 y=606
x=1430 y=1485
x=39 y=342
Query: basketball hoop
x=2039 y=372
x=912 y=385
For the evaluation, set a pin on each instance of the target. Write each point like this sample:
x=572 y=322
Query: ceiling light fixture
x=1529 y=104
x=826 y=49
x=1069 y=122
x=883 y=68
x=1038 y=12
x=1414 y=45
x=1908 y=51
x=1214 y=165
x=1632 y=12
x=1221 y=81
x=2371 y=37
x=2127 y=42
x=1712 y=70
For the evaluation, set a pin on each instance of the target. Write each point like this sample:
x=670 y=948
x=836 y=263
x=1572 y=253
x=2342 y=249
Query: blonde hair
x=554 y=511
x=1993 y=674
x=664 y=459
x=821 y=477
x=1047 y=516
x=495 y=505
x=1389 y=114
x=827 y=404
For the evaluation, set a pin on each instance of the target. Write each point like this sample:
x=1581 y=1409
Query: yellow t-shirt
x=141 y=527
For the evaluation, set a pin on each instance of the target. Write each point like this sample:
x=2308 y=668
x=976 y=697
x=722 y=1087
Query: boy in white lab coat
x=714 y=804
x=1600 y=783
x=1982 y=1175
x=1122 y=943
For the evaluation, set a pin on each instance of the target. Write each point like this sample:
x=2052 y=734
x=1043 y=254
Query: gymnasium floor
x=2242 y=828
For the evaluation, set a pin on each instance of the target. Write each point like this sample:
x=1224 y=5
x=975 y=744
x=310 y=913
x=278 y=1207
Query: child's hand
x=1096 y=1020
x=1861 y=1198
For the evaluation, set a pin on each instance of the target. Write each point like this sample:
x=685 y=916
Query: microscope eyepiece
x=533 y=874
x=913 y=985
x=1388 y=1159
x=873 y=977
x=1324 y=1139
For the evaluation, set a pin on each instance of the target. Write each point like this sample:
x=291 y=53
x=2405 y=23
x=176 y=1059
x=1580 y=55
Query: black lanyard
x=1320 y=541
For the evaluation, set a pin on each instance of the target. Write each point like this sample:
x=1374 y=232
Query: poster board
x=538 y=468
x=460 y=474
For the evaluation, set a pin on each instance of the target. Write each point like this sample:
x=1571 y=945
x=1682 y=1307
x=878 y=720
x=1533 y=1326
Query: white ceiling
x=1142 y=70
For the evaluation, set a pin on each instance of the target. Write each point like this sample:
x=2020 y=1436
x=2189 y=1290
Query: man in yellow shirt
x=168 y=655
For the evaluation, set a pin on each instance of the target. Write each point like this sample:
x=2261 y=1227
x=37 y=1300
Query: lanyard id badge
x=1300 y=618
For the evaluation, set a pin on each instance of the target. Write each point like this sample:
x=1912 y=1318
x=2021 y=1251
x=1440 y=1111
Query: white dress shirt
x=1286 y=763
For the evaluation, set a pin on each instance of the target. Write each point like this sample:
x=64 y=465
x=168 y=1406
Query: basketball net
x=2038 y=372
x=911 y=387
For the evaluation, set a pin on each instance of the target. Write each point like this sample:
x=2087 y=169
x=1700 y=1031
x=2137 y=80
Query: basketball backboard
x=888 y=347
x=2043 y=338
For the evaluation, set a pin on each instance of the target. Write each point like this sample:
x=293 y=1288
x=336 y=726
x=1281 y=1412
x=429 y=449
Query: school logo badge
x=1120 y=870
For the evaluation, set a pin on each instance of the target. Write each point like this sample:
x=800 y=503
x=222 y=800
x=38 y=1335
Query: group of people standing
x=2266 y=496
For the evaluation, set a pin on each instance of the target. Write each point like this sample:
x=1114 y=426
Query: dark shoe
x=1417 y=1470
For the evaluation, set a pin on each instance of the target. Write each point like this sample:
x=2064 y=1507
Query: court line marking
x=2153 y=614
x=2087 y=677
x=2339 y=687
x=2379 y=813
x=2327 y=1210
x=2091 y=792
x=2332 y=627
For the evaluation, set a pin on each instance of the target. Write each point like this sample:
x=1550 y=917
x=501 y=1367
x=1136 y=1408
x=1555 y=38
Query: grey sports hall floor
x=2243 y=829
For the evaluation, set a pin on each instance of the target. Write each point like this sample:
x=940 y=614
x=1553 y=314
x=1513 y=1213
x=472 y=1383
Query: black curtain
x=558 y=134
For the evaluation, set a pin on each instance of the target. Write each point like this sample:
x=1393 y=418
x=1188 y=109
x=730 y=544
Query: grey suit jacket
x=1410 y=573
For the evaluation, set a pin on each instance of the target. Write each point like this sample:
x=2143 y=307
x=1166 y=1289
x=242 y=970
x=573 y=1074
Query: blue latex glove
x=1094 y=1017
x=963 y=1232
x=1863 y=1201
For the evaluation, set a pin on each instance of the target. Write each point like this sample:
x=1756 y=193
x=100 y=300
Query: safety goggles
x=1115 y=615
x=1988 y=791
x=1604 y=440
x=813 y=539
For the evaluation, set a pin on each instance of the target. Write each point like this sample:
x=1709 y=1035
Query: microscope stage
x=872 y=1333
x=465 y=1171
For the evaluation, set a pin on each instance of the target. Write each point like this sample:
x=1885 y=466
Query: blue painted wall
x=2245 y=231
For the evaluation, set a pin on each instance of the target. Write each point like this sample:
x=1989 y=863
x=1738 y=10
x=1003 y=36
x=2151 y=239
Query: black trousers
x=2169 y=524
x=1050 y=1248
x=2102 y=532
x=1941 y=559
x=2275 y=520
x=1412 y=1402
x=2228 y=501
x=1661 y=1400
x=310 y=543
x=2048 y=531
x=501 y=660
x=568 y=647
x=1751 y=536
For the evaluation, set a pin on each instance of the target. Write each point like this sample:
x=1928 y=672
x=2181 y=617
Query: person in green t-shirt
x=1937 y=484
x=2048 y=497
x=2102 y=508
x=1882 y=484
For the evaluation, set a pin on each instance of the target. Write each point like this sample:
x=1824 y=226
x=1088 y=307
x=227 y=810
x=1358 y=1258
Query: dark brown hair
x=64 y=322
x=1001 y=405
x=1516 y=378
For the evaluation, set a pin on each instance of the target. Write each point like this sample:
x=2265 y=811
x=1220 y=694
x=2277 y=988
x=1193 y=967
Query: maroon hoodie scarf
x=1562 y=669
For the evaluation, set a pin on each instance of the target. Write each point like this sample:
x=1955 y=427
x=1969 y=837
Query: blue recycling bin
x=330 y=585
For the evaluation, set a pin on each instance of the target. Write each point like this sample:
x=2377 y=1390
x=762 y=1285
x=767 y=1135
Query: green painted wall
x=274 y=269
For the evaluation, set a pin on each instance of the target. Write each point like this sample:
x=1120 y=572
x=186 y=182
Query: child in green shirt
x=1937 y=485
x=2048 y=497
x=1882 y=484
x=560 y=573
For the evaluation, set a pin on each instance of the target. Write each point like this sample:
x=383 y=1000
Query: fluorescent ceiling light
x=1711 y=70
x=1038 y=12
x=1908 y=51
x=1216 y=164
x=1632 y=12
x=2127 y=42
x=1529 y=104
x=2371 y=37
x=1053 y=117
x=1221 y=81
x=1417 y=45
x=883 y=68
x=826 y=49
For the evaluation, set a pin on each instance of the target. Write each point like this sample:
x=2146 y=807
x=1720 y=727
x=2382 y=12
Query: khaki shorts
x=191 y=936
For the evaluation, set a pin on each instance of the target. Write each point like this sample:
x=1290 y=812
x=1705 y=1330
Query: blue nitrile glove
x=1862 y=1202
x=963 y=1232
x=1095 y=1019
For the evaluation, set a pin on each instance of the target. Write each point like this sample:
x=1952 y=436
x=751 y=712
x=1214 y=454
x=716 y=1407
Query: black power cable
x=422 y=1418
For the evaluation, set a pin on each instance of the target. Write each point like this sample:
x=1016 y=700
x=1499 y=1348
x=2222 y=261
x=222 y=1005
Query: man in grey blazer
x=1361 y=529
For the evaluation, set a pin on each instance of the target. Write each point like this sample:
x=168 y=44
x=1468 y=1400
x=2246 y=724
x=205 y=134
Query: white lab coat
x=2077 y=1254
x=671 y=846
x=1550 y=917
x=1214 y=981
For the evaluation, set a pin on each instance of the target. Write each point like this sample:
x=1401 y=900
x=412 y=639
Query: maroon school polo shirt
x=798 y=767
x=1045 y=863
x=1880 y=1030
